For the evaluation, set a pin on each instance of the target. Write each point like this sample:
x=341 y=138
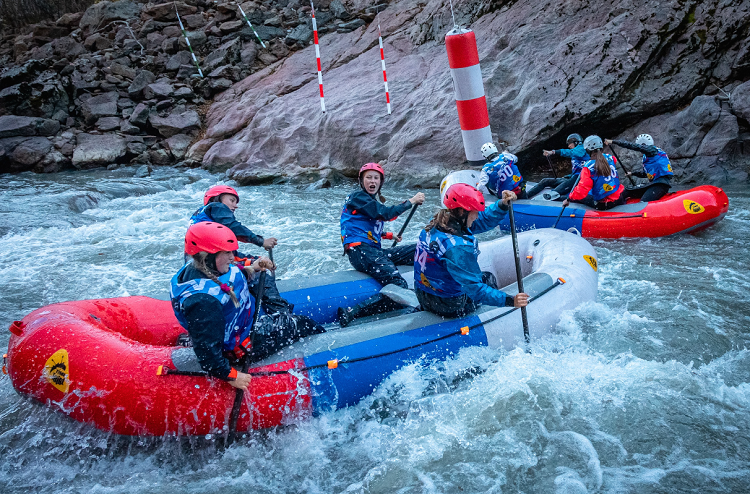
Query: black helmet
x=575 y=138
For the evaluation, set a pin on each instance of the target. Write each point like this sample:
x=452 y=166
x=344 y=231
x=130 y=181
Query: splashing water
x=646 y=390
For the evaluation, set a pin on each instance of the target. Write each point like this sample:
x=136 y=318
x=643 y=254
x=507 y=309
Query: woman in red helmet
x=447 y=277
x=219 y=204
x=362 y=221
x=211 y=299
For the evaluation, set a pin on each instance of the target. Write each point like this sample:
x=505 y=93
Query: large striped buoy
x=473 y=117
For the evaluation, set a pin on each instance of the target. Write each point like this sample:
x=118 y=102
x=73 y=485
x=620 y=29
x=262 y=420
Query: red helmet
x=210 y=237
x=372 y=166
x=463 y=196
x=218 y=190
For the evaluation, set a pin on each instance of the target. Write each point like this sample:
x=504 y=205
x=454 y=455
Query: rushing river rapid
x=645 y=390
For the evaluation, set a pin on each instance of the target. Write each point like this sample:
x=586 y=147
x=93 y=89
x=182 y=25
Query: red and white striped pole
x=473 y=117
x=382 y=62
x=317 y=56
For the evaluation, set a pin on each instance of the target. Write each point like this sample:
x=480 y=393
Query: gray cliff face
x=673 y=69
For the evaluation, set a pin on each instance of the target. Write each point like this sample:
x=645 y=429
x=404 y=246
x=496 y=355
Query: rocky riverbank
x=116 y=85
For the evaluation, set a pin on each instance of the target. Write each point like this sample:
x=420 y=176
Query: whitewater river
x=646 y=390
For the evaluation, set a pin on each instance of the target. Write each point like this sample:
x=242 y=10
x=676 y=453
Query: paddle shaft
x=554 y=172
x=240 y=393
x=559 y=216
x=622 y=165
x=525 y=321
x=403 y=227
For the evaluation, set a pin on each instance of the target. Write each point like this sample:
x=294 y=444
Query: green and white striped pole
x=251 y=26
x=187 y=40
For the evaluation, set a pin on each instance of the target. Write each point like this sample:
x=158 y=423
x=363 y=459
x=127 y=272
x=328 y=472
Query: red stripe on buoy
x=462 y=50
x=472 y=114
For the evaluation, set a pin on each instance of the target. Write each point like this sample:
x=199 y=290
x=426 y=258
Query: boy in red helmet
x=212 y=300
x=447 y=276
x=362 y=221
x=219 y=204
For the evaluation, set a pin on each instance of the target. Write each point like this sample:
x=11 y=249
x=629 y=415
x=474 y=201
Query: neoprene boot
x=377 y=304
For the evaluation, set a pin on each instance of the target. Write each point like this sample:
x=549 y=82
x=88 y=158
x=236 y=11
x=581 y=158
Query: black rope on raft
x=332 y=364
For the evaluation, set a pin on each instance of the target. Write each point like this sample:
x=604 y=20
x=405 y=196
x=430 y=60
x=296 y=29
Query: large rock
x=94 y=151
x=227 y=53
x=740 y=101
x=166 y=11
x=176 y=123
x=102 y=13
x=141 y=80
x=606 y=69
x=103 y=105
x=31 y=151
x=13 y=125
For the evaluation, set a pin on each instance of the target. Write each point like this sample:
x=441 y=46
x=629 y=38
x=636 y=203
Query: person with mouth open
x=362 y=221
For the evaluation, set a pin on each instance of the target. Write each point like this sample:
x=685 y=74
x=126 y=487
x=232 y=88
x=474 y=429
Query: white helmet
x=644 y=140
x=489 y=149
x=592 y=143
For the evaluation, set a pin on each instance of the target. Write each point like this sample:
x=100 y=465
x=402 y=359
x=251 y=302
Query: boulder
x=166 y=11
x=178 y=59
x=176 y=123
x=197 y=39
x=140 y=115
x=226 y=53
x=122 y=70
x=103 y=105
x=30 y=151
x=106 y=124
x=158 y=90
x=70 y=19
x=14 y=125
x=102 y=13
x=95 y=151
x=178 y=145
x=740 y=101
x=141 y=80
x=301 y=34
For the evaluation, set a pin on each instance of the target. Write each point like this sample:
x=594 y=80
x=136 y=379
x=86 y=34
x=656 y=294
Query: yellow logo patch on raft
x=592 y=262
x=516 y=178
x=692 y=207
x=57 y=370
x=425 y=281
x=608 y=188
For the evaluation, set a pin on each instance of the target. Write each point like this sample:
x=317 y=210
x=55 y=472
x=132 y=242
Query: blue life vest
x=603 y=186
x=657 y=166
x=200 y=216
x=358 y=228
x=237 y=320
x=578 y=164
x=430 y=274
x=503 y=173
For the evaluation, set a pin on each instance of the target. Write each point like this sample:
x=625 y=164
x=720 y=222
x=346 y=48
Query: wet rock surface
x=123 y=71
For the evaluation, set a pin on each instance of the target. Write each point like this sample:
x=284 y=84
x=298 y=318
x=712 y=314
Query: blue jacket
x=501 y=174
x=215 y=325
x=578 y=156
x=363 y=217
x=656 y=165
x=446 y=265
x=220 y=213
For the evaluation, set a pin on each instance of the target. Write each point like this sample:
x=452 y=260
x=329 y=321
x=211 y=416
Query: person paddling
x=211 y=298
x=447 y=276
x=578 y=156
x=656 y=167
x=219 y=204
x=362 y=221
x=599 y=186
x=501 y=172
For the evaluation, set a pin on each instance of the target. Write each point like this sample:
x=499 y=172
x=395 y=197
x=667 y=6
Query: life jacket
x=200 y=215
x=657 y=166
x=578 y=163
x=603 y=186
x=237 y=320
x=359 y=228
x=430 y=274
x=503 y=173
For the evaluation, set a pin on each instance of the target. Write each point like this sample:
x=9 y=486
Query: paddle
x=403 y=227
x=525 y=321
x=559 y=216
x=622 y=165
x=240 y=393
x=552 y=166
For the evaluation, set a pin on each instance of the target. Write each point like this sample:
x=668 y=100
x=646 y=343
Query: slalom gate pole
x=317 y=56
x=524 y=319
x=385 y=78
x=240 y=393
x=251 y=26
x=187 y=40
